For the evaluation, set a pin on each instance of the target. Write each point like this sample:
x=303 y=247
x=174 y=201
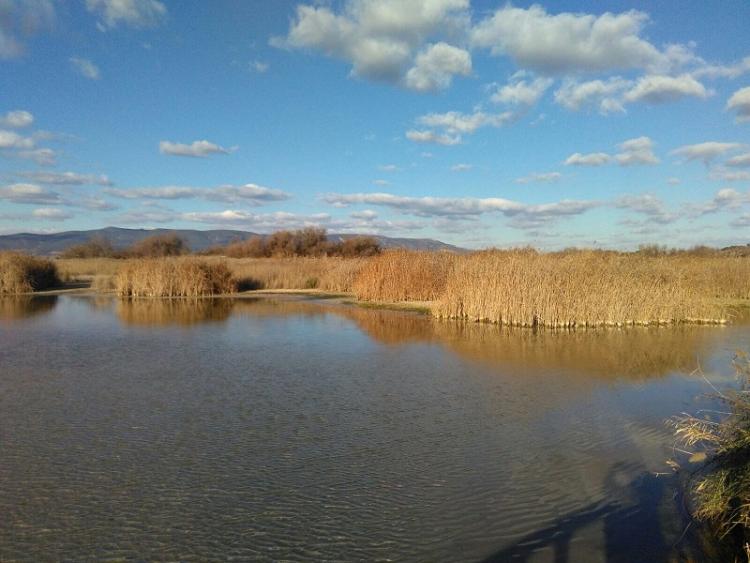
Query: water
x=292 y=429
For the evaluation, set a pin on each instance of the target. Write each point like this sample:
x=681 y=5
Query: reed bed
x=171 y=277
x=20 y=273
x=325 y=273
x=403 y=275
x=582 y=288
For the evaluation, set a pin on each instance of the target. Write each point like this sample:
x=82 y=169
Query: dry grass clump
x=576 y=288
x=721 y=489
x=723 y=277
x=169 y=277
x=325 y=273
x=405 y=275
x=20 y=273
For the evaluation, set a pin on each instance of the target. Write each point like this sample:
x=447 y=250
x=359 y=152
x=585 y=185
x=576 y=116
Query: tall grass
x=170 y=277
x=404 y=275
x=20 y=273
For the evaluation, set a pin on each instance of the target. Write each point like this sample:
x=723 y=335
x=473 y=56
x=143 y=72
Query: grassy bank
x=20 y=273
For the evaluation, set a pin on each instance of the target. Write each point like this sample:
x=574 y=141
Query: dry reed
x=403 y=275
x=581 y=288
x=20 y=273
x=169 y=277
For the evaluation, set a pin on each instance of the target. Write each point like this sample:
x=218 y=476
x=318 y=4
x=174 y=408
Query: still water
x=301 y=430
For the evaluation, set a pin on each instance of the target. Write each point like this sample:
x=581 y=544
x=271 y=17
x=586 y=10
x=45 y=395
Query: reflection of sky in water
x=287 y=428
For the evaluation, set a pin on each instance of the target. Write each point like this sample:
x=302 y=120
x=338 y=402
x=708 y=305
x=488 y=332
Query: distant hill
x=55 y=243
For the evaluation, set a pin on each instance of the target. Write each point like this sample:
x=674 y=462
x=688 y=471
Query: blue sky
x=478 y=123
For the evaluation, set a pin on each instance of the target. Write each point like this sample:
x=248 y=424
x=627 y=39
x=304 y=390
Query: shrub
x=96 y=247
x=159 y=246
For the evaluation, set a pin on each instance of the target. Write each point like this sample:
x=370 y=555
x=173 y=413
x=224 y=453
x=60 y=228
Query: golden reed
x=173 y=277
x=20 y=273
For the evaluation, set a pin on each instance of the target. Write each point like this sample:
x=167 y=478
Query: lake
x=295 y=429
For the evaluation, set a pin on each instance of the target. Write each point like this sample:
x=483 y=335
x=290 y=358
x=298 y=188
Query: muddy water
x=298 y=430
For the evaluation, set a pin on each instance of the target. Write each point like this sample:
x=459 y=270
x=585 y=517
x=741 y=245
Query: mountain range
x=54 y=243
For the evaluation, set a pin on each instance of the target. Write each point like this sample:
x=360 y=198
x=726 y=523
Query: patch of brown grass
x=170 y=277
x=404 y=275
x=20 y=273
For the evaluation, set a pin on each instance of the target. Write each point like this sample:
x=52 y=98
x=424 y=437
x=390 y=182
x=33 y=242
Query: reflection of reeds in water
x=24 y=306
x=636 y=353
x=166 y=312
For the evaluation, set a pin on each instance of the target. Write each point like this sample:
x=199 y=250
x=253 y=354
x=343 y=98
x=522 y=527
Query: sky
x=479 y=123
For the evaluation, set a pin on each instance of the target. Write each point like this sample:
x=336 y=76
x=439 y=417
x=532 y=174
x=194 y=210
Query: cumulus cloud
x=567 y=42
x=388 y=168
x=705 y=152
x=590 y=159
x=435 y=67
x=723 y=71
x=85 y=68
x=12 y=140
x=723 y=175
x=430 y=137
x=522 y=92
x=17 y=119
x=636 y=151
x=29 y=193
x=381 y=38
x=20 y=20
x=196 y=149
x=251 y=194
x=724 y=199
x=604 y=96
x=457 y=122
x=739 y=103
x=659 y=89
x=647 y=204
x=259 y=67
x=461 y=167
x=43 y=157
x=67 y=178
x=539 y=177
x=132 y=13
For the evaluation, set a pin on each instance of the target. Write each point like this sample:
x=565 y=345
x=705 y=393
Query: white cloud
x=43 y=157
x=567 y=42
x=67 y=178
x=590 y=159
x=658 y=89
x=724 y=199
x=133 y=13
x=723 y=175
x=51 y=214
x=258 y=66
x=29 y=193
x=435 y=67
x=380 y=38
x=461 y=167
x=432 y=137
x=649 y=205
x=539 y=177
x=463 y=208
x=521 y=92
x=673 y=181
x=388 y=168
x=740 y=103
x=723 y=71
x=741 y=160
x=250 y=194
x=705 y=152
x=12 y=140
x=85 y=68
x=17 y=119
x=454 y=122
x=605 y=96
x=381 y=182
x=21 y=19
x=636 y=151
x=196 y=149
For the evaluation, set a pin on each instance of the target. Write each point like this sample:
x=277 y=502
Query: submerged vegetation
x=720 y=490
x=20 y=273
